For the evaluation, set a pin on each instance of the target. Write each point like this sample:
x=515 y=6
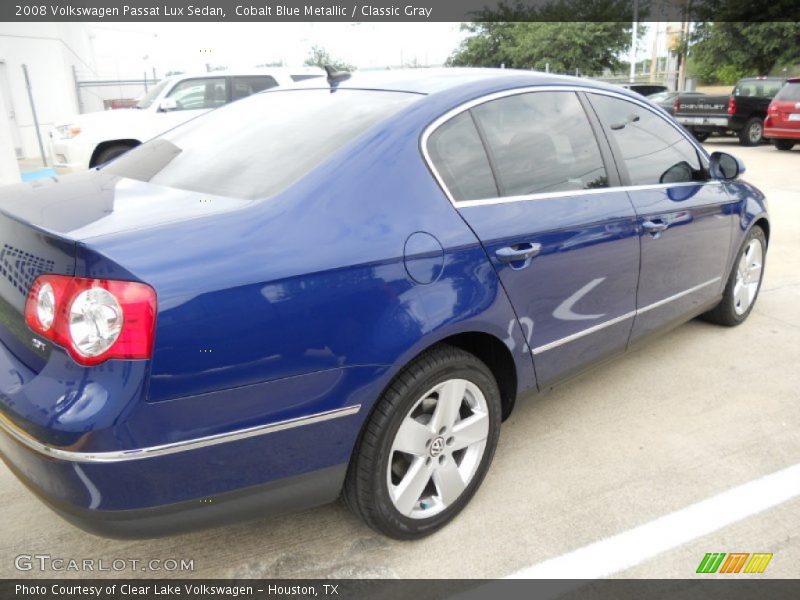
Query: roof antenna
x=335 y=76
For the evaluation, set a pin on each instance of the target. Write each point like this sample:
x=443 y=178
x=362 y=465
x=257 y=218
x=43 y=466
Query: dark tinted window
x=242 y=87
x=541 y=142
x=195 y=94
x=653 y=150
x=790 y=92
x=458 y=154
x=257 y=146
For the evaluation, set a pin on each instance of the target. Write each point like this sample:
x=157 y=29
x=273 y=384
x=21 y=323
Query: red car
x=782 y=124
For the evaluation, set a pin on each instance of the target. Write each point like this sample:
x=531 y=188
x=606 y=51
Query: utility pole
x=33 y=112
x=654 y=55
x=634 y=36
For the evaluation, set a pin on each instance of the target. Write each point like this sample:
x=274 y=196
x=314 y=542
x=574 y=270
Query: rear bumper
x=706 y=123
x=174 y=488
x=782 y=133
x=276 y=497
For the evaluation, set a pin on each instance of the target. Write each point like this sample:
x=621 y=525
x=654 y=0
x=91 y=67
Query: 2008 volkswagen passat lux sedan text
x=343 y=289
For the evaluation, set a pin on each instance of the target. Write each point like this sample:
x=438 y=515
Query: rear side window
x=242 y=87
x=457 y=153
x=760 y=88
x=541 y=142
x=790 y=92
x=256 y=147
x=652 y=149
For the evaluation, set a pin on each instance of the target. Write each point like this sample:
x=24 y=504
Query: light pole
x=634 y=35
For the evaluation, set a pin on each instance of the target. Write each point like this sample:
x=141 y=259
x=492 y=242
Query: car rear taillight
x=93 y=319
x=731 y=105
x=676 y=107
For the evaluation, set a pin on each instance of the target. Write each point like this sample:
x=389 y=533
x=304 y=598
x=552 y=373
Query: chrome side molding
x=621 y=318
x=26 y=439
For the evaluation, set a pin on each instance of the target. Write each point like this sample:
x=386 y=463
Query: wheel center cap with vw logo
x=437 y=445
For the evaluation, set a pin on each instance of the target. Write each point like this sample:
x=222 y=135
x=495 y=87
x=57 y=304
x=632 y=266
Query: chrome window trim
x=26 y=439
x=620 y=319
x=441 y=120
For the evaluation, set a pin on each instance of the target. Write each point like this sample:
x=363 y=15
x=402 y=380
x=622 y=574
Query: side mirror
x=725 y=166
x=167 y=104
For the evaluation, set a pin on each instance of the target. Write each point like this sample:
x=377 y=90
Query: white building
x=50 y=51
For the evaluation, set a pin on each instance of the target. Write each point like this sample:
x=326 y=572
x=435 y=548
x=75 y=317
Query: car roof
x=249 y=72
x=436 y=80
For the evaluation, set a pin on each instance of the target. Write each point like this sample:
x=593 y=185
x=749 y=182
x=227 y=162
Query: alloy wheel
x=438 y=448
x=755 y=133
x=748 y=276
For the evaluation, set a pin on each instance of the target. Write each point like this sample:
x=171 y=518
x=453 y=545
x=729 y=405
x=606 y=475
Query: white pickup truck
x=92 y=139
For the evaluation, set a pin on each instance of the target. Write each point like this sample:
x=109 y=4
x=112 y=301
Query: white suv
x=92 y=139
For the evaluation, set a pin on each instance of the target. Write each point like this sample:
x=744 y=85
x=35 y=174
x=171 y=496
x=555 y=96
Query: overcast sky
x=129 y=49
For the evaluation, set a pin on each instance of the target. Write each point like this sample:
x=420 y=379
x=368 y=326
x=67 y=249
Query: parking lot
x=684 y=419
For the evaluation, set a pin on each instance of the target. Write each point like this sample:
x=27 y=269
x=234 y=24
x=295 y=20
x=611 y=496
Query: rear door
x=685 y=219
x=529 y=176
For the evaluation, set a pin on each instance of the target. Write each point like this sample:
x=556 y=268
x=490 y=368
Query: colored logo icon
x=735 y=562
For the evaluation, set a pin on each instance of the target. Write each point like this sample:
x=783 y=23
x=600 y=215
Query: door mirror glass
x=725 y=166
x=168 y=104
x=678 y=173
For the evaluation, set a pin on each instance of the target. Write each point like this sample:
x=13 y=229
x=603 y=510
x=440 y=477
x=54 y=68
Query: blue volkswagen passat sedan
x=342 y=289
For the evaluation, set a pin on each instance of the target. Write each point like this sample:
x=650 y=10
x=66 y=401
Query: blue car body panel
x=312 y=300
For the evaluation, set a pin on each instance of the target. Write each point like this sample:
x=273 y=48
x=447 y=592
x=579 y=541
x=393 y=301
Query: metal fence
x=104 y=93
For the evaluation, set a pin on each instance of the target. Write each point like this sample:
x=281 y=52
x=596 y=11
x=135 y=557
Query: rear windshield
x=255 y=147
x=790 y=92
x=760 y=88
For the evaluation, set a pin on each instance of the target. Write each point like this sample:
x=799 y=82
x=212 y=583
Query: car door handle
x=518 y=252
x=654 y=227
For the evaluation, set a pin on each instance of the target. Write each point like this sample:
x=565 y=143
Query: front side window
x=147 y=100
x=457 y=153
x=256 y=147
x=652 y=149
x=242 y=87
x=196 y=94
x=541 y=142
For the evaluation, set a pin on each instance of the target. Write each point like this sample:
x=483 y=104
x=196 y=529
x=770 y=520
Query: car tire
x=784 y=144
x=701 y=136
x=109 y=154
x=388 y=468
x=752 y=133
x=744 y=281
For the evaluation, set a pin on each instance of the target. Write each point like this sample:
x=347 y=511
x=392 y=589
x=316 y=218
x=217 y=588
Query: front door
x=685 y=219
x=564 y=245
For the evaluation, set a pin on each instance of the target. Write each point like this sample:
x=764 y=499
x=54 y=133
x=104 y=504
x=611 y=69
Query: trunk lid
x=26 y=251
x=46 y=227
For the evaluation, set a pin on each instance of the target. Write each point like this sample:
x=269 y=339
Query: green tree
x=566 y=46
x=723 y=51
x=319 y=57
